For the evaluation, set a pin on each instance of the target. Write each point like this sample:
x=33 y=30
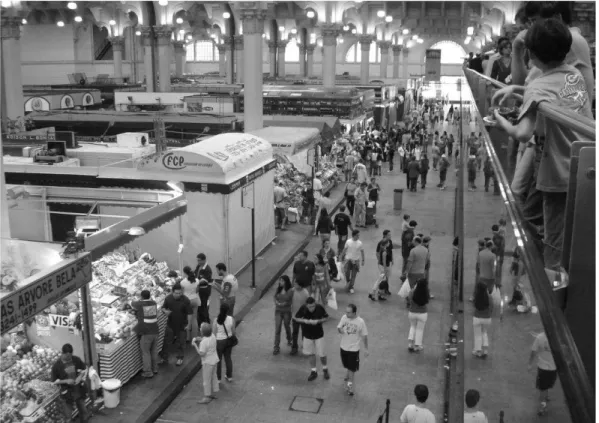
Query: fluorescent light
x=212 y=35
x=163 y=2
x=78 y=18
x=72 y=5
x=354 y=31
x=310 y=14
x=281 y=28
x=400 y=41
x=467 y=40
x=381 y=13
x=294 y=31
x=60 y=23
x=226 y=15
x=389 y=18
x=138 y=33
x=420 y=40
x=340 y=40
x=189 y=37
x=346 y=27
x=405 y=31
x=179 y=21
x=263 y=35
x=470 y=30
x=112 y=22
x=24 y=22
x=319 y=43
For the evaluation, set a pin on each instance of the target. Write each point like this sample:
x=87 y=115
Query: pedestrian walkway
x=265 y=386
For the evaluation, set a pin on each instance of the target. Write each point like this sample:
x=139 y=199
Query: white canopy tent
x=293 y=143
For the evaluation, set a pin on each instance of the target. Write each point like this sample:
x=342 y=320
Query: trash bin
x=112 y=392
x=397 y=199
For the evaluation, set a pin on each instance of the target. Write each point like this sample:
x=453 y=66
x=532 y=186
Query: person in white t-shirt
x=546 y=369
x=418 y=413
x=353 y=331
x=353 y=251
x=317 y=185
x=471 y=414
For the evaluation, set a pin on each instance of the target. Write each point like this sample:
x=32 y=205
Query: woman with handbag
x=350 y=199
x=224 y=329
x=283 y=300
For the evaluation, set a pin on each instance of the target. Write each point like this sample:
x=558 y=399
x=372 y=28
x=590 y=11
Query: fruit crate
x=40 y=414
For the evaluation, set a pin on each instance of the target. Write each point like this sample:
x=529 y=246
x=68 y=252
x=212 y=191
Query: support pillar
x=118 y=46
x=281 y=46
x=12 y=105
x=239 y=59
x=272 y=54
x=253 y=28
x=365 y=44
x=302 y=60
x=229 y=59
x=396 y=53
x=310 y=60
x=180 y=57
x=329 y=41
x=384 y=46
x=149 y=70
x=163 y=40
x=222 y=64
x=404 y=64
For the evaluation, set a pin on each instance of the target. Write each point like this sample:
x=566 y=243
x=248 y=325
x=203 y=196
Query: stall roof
x=115 y=117
x=289 y=140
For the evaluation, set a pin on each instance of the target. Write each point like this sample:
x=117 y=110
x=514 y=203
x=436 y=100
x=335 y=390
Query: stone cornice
x=329 y=34
x=221 y=48
x=384 y=46
x=11 y=28
x=118 y=43
x=282 y=45
x=252 y=20
x=365 y=41
x=228 y=41
x=272 y=46
x=397 y=49
x=310 y=48
x=238 y=42
x=163 y=34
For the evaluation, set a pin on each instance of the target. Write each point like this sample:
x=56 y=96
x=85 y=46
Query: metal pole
x=387 y=409
x=253 y=248
x=461 y=181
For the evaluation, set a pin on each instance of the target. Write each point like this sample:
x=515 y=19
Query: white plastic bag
x=340 y=271
x=332 y=299
x=404 y=291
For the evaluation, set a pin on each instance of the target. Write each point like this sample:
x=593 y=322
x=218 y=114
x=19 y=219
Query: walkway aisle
x=502 y=379
x=265 y=386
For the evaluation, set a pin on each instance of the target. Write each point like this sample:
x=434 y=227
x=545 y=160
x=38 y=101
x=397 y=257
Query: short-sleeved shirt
x=565 y=88
x=415 y=414
x=353 y=331
x=486 y=262
x=180 y=308
x=475 y=417
x=342 y=222
x=312 y=331
x=208 y=349
x=299 y=299
x=317 y=184
x=230 y=286
x=147 y=317
x=280 y=195
x=303 y=272
x=389 y=251
x=544 y=357
x=354 y=249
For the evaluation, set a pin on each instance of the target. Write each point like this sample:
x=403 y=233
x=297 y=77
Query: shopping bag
x=404 y=291
x=341 y=271
x=332 y=299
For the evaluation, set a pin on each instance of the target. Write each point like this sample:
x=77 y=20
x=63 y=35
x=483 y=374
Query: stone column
x=163 y=39
x=253 y=28
x=302 y=60
x=118 y=45
x=222 y=64
x=396 y=53
x=404 y=64
x=180 y=57
x=365 y=44
x=229 y=59
x=239 y=59
x=329 y=61
x=384 y=46
x=272 y=54
x=146 y=33
x=281 y=46
x=310 y=60
x=13 y=104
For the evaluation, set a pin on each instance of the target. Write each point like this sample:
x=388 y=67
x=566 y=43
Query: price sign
x=120 y=291
x=247 y=196
x=311 y=156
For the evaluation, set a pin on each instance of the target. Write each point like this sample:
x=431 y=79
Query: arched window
x=292 y=53
x=354 y=54
x=451 y=52
x=205 y=51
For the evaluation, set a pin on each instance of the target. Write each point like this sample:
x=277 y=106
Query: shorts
x=314 y=347
x=546 y=379
x=350 y=360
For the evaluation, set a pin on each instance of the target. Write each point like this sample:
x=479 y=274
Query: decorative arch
x=292 y=52
x=452 y=53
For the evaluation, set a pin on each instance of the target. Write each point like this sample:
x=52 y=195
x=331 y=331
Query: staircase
x=103 y=49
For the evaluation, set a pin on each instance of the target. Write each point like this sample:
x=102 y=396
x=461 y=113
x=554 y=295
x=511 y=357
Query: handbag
x=231 y=340
x=332 y=299
x=404 y=291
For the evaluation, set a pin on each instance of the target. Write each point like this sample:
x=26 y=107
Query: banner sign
x=170 y=142
x=433 y=65
x=28 y=137
x=41 y=294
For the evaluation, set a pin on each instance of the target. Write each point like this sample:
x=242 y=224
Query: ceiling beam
x=442 y=8
x=463 y=9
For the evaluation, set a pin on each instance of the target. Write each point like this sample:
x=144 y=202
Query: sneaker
x=162 y=361
x=542 y=409
x=293 y=351
x=229 y=379
x=350 y=388
x=205 y=400
x=411 y=348
x=179 y=361
x=313 y=375
x=371 y=297
x=326 y=374
x=431 y=297
x=418 y=348
x=147 y=375
x=289 y=343
x=478 y=354
x=351 y=291
x=381 y=298
x=276 y=351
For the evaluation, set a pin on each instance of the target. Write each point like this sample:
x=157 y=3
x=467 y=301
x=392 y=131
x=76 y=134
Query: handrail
x=575 y=382
x=579 y=124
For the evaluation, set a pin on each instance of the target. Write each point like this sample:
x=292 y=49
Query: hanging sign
x=37 y=296
x=311 y=156
x=247 y=196
x=433 y=65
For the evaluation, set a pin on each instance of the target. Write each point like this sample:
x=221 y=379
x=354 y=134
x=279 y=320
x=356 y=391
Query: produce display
x=293 y=182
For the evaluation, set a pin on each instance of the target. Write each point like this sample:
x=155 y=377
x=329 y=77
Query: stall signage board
x=433 y=65
x=41 y=294
x=247 y=196
x=28 y=137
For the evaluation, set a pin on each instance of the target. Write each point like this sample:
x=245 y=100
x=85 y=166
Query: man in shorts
x=546 y=369
x=353 y=330
x=312 y=316
x=353 y=251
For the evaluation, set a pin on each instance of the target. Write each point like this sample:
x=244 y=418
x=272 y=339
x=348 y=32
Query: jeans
x=417 y=322
x=341 y=240
x=442 y=177
x=350 y=202
x=203 y=315
x=210 y=380
x=533 y=205
x=280 y=217
x=224 y=350
x=523 y=175
x=360 y=214
x=412 y=183
x=351 y=271
x=487 y=180
x=390 y=163
x=282 y=318
x=67 y=408
x=481 y=333
x=296 y=326
x=423 y=179
x=192 y=328
x=231 y=302
x=169 y=340
x=435 y=161
x=554 y=212
x=149 y=353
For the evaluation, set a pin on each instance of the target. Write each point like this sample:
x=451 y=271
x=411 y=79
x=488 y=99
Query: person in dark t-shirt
x=178 y=308
x=65 y=373
x=312 y=316
x=146 y=311
x=342 y=222
x=303 y=270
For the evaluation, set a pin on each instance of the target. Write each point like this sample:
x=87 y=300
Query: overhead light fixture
x=135 y=231
x=72 y=5
x=179 y=21
x=24 y=22
x=346 y=27
x=60 y=23
x=294 y=31
x=414 y=37
x=340 y=40
x=405 y=31
x=212 y=35
x=354 y=31
x=319 y=43
x=310 y=14
x=263 y=35
x=467 y=40
x=400 y=41
x=226 y=15
x=181 y=31
x=389 y=18
x=138 y=33
x=78 y=19
x=189 y=37
x=420 y=40
x=112 y=22
x=163 y=2
x=381 y=13
x=470 y=30
x=281 y=28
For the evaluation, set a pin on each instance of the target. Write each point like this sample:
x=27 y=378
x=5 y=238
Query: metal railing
x=577 y=388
